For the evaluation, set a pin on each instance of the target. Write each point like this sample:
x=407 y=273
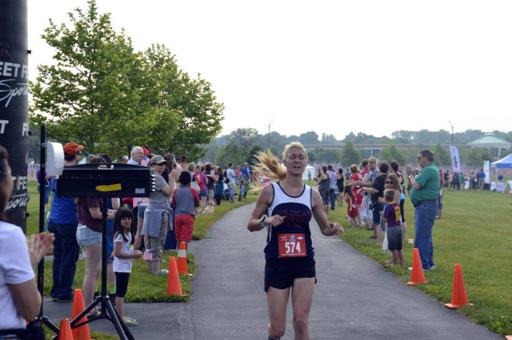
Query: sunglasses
x=388 y=182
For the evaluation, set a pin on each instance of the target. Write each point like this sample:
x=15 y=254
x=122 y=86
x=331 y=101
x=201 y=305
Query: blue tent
x=504 y=163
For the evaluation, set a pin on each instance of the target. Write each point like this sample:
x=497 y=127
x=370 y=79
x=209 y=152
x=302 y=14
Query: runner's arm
x=263 y=202
x=326 y=227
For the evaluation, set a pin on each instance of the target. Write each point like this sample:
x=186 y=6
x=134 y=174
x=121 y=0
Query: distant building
x=492 y=143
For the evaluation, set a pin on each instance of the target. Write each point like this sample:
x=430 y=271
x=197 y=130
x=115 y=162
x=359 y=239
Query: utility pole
x=14 y=129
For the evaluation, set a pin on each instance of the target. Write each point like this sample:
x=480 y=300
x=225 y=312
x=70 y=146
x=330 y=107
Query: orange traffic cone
x=82 y=332
x=182 y=258
x=417 y=275
x=459 y=294
x=65 y=330
x=173 y=278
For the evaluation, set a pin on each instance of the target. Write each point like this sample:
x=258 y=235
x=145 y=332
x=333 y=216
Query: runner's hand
x=275 y=220
x=336 y=228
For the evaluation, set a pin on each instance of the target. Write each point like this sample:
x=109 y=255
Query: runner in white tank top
x=284 y=208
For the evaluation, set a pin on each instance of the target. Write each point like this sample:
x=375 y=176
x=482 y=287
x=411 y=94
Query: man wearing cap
x=424 y=195
x=63 y=223
x=157 y=215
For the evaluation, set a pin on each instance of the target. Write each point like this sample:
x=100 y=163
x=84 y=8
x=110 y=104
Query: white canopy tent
x=309 y=172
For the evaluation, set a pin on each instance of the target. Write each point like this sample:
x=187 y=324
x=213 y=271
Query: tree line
x=99 y=91
x=242 y=144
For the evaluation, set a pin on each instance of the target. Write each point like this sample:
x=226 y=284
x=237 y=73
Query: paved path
x=355 y=298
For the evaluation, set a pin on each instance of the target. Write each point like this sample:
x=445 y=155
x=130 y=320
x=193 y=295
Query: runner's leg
x=302 y=297
x=277 y=300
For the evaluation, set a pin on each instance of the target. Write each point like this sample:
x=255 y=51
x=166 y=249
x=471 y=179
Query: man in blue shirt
x=63 y=223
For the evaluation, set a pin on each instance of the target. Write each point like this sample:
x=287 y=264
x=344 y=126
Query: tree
x=349 y=155
x=102 y=93
x=441 y=155
x=244 y=138
x=391 y=153
x=309 y=137
x=328 y=138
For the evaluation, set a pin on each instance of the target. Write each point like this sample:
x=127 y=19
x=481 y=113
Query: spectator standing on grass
x=123 y=259
x=368 y=174
x=481 y=179
x=332 y=185
x=230 y=174
x=377 y=191
x=395 y=170
x=352 y=213
x=340 y=183
x=63 y=223
x=219 y=186
x=185 y=202
x=88 y=236
x=202 y=181
x=392 y=220
x=210 y=175
x=136 y=156
x=157 y=217
x=323 y=181
x=424 y=196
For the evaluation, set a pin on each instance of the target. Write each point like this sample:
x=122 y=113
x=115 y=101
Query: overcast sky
x=328 y=66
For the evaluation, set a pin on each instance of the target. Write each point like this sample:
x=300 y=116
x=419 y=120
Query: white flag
x=456 y=166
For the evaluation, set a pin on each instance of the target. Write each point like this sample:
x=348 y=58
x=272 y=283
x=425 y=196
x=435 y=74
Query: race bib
x=292 y=245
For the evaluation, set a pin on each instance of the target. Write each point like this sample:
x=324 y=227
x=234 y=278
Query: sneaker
x=130 y=321
x=164 y=271
x=432 y=267
x=94 y=313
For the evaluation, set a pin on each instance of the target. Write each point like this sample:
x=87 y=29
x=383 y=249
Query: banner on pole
x=456 y=166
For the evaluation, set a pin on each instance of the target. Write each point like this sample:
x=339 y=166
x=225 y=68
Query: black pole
x=14 y=102
x=42 y=194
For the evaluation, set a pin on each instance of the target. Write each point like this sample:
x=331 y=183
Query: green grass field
x=475 y=231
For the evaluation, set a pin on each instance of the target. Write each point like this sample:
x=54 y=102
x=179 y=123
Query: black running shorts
x=280 y=273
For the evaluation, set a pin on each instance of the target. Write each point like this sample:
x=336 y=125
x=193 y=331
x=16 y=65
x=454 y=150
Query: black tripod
x=107 y=310
x=105 y=181
x=42 y=193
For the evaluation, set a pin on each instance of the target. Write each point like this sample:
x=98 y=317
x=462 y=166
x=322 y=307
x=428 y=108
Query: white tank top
x=297 y=213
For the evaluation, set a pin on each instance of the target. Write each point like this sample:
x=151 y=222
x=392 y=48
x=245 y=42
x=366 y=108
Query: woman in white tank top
x=285 y=208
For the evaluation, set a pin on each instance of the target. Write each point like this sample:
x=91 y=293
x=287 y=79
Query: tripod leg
x=49 y=324
x=122 y=330
x=84 y=313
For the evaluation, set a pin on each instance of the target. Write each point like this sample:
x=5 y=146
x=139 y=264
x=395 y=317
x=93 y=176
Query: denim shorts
x=203 y=193
x=85 y=236
x=140 y=211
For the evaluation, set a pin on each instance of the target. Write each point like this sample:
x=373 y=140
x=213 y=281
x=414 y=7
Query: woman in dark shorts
x=285 y=208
